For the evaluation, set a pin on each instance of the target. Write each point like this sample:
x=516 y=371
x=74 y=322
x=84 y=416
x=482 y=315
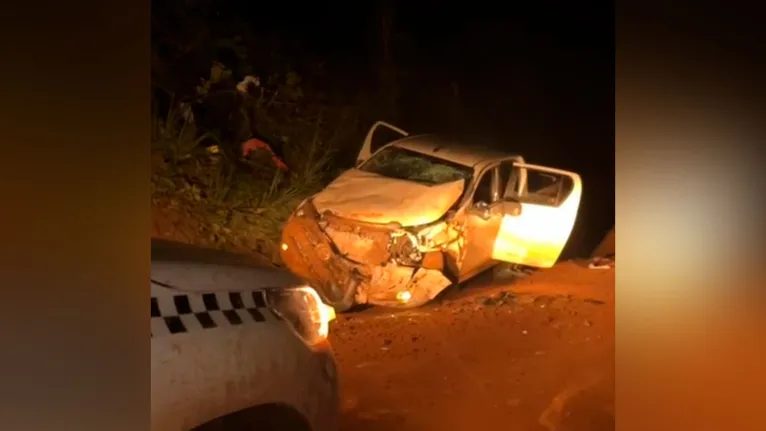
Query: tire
x=343 y=305
x=503 y=272
x=346 y=303
x=269 y=417
x=509 y=271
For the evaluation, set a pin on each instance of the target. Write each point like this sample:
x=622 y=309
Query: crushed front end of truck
x=355 y=262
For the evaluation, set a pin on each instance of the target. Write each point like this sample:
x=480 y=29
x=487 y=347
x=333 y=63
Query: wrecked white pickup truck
x=420 y=213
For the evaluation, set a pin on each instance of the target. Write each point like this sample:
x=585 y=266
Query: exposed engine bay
x=352 y=261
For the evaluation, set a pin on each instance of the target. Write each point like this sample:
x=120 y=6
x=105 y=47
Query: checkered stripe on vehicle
x=181 y=313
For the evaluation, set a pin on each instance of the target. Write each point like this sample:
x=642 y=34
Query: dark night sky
x=535 y=78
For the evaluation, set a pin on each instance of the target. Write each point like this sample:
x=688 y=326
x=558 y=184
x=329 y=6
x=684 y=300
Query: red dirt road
x=533 y=354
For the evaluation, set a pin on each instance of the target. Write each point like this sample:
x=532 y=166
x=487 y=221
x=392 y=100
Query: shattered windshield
x=399 y=163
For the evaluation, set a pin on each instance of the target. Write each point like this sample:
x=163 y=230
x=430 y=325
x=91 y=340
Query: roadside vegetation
x=314 y=109
x=203 y=191
x=223 y=201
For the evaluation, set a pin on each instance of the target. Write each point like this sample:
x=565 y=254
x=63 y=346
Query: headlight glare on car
x=303 y=310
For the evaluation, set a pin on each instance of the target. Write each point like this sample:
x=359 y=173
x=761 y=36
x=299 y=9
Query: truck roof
x=454 y=151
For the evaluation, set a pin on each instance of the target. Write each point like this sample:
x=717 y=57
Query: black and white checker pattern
x=176 y=313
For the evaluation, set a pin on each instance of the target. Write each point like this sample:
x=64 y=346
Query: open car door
x=549 y=201
x=380 y=134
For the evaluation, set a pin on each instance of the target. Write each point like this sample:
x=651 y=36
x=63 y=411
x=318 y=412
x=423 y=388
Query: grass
x=233 y=208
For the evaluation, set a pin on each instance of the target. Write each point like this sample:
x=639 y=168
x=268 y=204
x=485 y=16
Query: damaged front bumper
x=351 y=262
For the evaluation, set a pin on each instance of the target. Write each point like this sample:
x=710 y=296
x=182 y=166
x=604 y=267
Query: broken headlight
x=404 y=249
x=303 y=310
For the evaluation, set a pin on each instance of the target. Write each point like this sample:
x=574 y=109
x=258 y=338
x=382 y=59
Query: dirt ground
x=531 y=353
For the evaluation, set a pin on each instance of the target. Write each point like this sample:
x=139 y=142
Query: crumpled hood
x=373 y=198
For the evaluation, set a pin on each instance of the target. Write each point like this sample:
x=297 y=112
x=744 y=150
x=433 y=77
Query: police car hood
x=193 y=269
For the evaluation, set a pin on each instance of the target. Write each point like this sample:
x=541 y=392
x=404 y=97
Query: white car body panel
x=372 y=198
x=232 y=356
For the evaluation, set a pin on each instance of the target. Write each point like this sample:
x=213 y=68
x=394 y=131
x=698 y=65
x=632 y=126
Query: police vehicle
x=237 y=346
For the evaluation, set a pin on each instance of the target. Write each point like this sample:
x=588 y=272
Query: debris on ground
x=501 y=298
x=511 y=363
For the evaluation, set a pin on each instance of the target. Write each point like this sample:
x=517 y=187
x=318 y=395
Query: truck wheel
x=269 y=417
x=344 y=305
x=347 y=302
x=508 y=272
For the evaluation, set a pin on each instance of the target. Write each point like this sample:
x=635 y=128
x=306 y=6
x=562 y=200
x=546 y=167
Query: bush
x=241 y=209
